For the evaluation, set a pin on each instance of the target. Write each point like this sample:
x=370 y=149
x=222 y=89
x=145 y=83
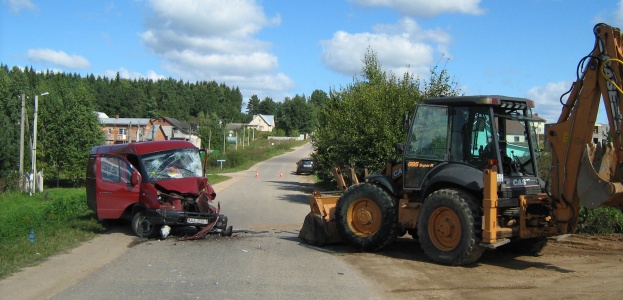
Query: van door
x=118 y=186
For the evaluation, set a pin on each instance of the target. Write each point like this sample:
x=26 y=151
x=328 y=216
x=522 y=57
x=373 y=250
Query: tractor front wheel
x=366 y=217
x=449 y=228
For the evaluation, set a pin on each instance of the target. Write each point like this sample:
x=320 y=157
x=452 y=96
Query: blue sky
x=282 y=48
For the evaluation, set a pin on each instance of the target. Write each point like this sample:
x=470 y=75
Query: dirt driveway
x=572 y=267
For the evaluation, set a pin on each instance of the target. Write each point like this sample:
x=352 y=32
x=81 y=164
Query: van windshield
x=177 y=163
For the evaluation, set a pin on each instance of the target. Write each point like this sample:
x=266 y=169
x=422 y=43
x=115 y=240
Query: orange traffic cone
x=281 y=174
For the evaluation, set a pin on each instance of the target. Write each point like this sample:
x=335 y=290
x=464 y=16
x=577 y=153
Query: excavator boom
x=582 y=171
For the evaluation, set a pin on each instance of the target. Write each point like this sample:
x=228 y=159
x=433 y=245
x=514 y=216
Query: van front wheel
x=143 y=227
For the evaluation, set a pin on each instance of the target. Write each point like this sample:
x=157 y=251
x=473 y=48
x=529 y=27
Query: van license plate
x=198 y=221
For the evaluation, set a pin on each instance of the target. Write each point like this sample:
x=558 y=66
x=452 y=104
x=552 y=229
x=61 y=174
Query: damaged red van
x=153 y=184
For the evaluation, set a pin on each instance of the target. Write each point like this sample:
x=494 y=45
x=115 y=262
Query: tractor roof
x=490 y=100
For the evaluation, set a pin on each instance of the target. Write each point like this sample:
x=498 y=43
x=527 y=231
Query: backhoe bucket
x=598 y=183
x=319 y=227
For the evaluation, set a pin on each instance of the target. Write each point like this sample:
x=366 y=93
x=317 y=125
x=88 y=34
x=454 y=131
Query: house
x=600 y=133
x=515 y=131
x=125 y=130
x=165 y=128
x=264 y=123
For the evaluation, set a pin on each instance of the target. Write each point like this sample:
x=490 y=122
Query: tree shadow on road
x=303 y=190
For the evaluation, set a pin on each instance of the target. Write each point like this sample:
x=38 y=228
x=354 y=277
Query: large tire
x=449 y=228
x=531 y=246
x=144 y=228
x=366 y=217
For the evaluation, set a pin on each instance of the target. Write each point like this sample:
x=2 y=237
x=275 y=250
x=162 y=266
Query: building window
x=109 y=130
x=122 y=131
x=516 y=139
x=596 y=129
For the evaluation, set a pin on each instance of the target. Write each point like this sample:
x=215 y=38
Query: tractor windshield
x=176 y=163
x=516 y=138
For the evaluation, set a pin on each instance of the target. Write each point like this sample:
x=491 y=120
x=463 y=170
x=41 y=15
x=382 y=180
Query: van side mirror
x=136 y=178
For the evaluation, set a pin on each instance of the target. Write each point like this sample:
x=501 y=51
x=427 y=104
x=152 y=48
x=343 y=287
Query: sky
x=283 y=48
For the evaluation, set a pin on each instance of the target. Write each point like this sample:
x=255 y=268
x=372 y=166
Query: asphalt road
x=264 y=259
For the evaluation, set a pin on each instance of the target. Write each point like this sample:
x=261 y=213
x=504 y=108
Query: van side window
x=115 y=169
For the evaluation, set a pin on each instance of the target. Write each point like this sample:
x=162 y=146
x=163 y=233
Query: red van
x=153 y=184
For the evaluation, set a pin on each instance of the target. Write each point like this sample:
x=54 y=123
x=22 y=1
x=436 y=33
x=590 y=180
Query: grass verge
x=59 y=219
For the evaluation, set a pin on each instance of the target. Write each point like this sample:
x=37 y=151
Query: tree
x=69 y=129
x=360 y=124
x=295 y=116
x=253 y=107
x=268 y=107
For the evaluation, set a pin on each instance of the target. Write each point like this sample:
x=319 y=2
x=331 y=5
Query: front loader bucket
x=598 y=183
x=319 y=227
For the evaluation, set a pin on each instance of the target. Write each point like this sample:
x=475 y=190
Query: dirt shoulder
x=573 y=267
x=62 y=271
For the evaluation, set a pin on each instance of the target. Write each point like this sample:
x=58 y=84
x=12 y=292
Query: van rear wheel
x=143 y=227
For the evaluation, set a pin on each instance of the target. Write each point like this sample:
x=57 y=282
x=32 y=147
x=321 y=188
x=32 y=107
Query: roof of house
x=124 y=121
x=515 y=128
x=179 y=125
x=269 y=119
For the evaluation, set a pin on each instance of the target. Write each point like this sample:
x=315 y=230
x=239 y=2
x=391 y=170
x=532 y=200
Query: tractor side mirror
x=400 y=148
x=405 y=122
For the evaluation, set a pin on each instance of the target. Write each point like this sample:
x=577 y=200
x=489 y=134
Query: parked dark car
x=305 y=165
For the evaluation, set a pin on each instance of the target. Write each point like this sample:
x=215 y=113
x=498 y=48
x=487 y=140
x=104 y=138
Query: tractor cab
x=453 y=139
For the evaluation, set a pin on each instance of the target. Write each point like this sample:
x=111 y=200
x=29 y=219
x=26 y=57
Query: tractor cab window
x=429 y=133
x=515 y=147
x=483 y=144
x=472 y=136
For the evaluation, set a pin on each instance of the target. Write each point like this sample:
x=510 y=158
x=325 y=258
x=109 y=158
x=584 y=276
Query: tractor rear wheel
x=366 y=217
x=449 y=228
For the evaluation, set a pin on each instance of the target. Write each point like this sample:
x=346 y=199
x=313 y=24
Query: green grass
x=61 y=219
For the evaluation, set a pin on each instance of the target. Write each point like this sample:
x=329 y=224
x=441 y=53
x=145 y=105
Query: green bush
x=603 y=220
x=235 y=158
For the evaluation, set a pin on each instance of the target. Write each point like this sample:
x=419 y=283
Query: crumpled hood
x=181 y=185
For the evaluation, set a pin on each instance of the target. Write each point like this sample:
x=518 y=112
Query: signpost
x=221 y=161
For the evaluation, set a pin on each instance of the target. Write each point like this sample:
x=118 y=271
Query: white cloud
x=427 y=8
x=215 y=40
x=127 y=74
x=15 y=6
x=547 y=99
x=400 y=47
x=58 y=58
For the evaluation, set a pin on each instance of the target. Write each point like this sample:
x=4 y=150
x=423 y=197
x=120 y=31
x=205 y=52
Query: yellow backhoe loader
x=468 y=177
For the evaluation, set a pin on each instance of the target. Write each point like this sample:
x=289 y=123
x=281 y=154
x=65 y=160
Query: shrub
x=603 y=220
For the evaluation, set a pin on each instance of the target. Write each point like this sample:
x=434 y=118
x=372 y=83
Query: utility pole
x=21 y=143
x=34 y=144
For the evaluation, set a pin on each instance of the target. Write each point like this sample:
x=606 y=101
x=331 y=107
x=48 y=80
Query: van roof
x=139 y=148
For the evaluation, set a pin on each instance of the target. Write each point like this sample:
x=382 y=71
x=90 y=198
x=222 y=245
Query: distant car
x=305 y=165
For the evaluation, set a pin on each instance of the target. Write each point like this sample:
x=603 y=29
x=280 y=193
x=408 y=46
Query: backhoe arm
x=583 y=172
